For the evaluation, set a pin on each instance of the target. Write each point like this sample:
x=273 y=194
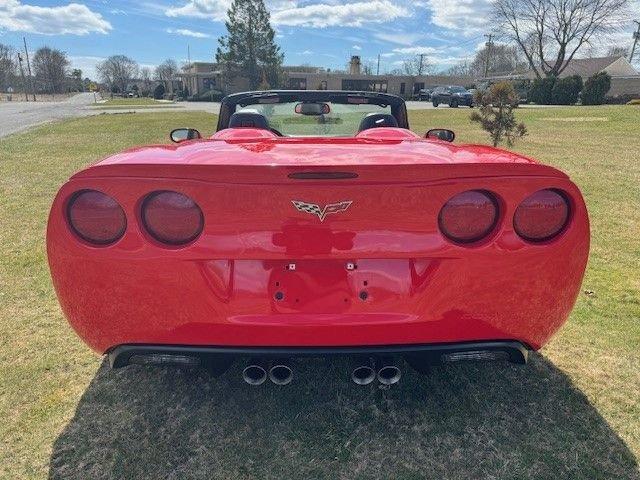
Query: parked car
x=453 y=95
x=424 y=95
x=316 y=223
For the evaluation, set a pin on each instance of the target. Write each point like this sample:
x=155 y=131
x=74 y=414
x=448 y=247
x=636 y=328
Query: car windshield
x=342 y=120
x=458 y=90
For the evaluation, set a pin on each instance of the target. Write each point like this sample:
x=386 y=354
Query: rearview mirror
x=183 y=134
x=441 y=134
x=306 y=108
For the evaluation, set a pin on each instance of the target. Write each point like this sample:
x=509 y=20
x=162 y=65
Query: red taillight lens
x=172 y=217
x=96 y=217
x=469 y=216
x=542 y=216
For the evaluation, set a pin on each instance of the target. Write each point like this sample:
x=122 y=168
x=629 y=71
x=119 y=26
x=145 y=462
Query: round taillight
x=96 y=217
x=469 y=216
x=542 y=216
x=172 y=218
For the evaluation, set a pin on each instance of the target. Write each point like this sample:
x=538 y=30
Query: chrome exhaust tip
x=363 y=375
x=281 y=374
x=389 y=375
x=254 y=374
x=364 y=370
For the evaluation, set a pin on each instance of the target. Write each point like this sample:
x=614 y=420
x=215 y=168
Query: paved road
x=18 y=116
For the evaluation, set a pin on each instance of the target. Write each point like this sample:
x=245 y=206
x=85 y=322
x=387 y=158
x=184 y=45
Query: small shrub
x=541 y=91
x=496 y=116
x=596 y=89
x=158 y=92
x=566 y=90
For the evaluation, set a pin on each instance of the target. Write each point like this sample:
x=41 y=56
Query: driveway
x=18 y=116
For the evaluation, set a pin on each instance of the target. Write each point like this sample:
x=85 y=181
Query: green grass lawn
x=130 y=102
x=573 y=412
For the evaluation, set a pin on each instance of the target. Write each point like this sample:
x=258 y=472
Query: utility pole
x=24 y=83
x=420 y=66
x=378 y=69
x=489 y=44
x=26 y=52
x=636 y=37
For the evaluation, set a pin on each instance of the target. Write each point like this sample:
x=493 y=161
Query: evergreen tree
x=248 y=49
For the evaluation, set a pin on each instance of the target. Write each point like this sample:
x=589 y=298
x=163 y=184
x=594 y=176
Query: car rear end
x=193 y=263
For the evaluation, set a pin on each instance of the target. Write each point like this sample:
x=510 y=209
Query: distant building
x=199 y=77
x=625 y=79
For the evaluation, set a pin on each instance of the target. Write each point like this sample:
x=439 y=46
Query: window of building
x=417 y=87
x=365 y=85
x=297 y=83
x=403 y=87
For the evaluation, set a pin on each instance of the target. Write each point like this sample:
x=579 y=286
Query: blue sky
x=315 y=32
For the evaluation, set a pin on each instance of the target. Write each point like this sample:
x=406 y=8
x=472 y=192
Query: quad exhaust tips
x=256 y=373
x=383 y=369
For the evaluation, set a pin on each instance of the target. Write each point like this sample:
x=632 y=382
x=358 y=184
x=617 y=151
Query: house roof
x=586 y=67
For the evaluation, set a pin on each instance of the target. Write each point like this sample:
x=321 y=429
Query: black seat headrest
x=248 y=118
x=376 y=120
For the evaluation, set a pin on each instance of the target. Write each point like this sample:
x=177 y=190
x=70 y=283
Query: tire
x=453 y=104
x=435 y=103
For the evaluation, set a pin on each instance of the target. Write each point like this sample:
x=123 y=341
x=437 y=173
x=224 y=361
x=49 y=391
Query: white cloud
x=306 y=52
x=400 y=38
x=415 y=50
x=72 y=19
x=213 y=9
x=345 y=15
x=357 y=47
x=217 y=9
x=187 y=33
x=466 y=16
x=328 y=13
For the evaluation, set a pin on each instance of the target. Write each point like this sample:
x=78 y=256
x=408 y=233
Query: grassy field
x=134 y=102
x=573 y=412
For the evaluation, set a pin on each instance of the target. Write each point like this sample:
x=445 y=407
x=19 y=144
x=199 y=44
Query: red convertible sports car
x=315 y=223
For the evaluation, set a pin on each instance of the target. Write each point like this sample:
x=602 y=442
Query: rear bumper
x=381 y=275
x=433 y=354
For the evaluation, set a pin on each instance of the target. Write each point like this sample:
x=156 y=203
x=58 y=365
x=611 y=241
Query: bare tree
x=50 y=68
x=117 y=71
x=551 y=32
x=497 y=59
x=7 y=66
x=165 y=72
x=617 y=51
x=417 y=65
x=460 y=69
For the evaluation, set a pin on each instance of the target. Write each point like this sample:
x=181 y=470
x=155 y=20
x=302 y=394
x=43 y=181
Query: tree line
x=538 y=35
x=50 y=72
